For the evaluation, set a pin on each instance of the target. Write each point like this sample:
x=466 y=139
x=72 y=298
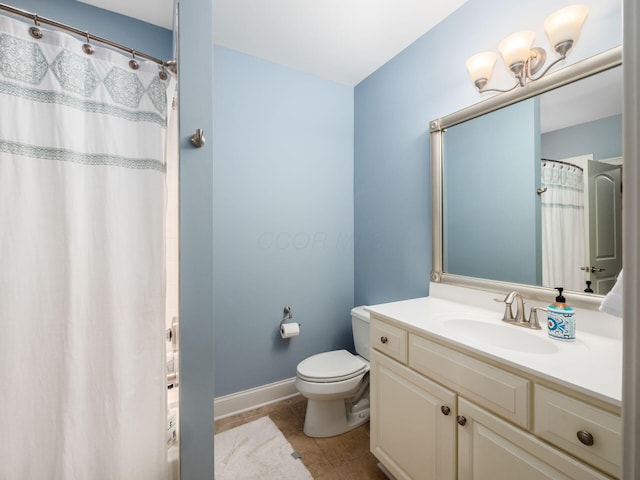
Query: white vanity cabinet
x=414 y=434
x=439 y=414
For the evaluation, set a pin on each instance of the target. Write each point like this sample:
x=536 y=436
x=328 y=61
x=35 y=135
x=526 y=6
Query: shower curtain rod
x=37 y=19
x=563 y=163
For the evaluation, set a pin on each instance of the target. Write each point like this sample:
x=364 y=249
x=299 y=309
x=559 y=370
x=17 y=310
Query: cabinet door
x=413 y=429
x=491 y=449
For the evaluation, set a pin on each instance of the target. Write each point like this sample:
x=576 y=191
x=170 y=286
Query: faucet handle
x=508 y=313
x=533 y=318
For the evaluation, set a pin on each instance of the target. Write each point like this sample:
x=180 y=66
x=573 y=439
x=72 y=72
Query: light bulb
x=516 y=48
x=563 y=27
x=480 y=67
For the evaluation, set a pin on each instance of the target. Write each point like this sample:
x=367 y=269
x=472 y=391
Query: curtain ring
x=35 y=32
x=133 y=64
x=87 y=47
x=163 y=73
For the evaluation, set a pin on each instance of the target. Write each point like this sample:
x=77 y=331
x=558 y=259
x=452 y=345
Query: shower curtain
x=563 y=236
x=82 y=192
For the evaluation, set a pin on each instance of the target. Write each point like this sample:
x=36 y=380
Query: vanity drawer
x=499 y=391
x=559 y=418
x=389 y=339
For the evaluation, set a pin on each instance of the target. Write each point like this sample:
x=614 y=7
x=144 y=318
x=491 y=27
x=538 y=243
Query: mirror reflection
x=537 y=185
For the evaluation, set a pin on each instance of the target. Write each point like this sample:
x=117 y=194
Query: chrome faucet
x=508 y=313
x=520 y=319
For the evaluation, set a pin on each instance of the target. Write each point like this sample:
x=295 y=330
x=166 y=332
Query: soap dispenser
x=561 y=323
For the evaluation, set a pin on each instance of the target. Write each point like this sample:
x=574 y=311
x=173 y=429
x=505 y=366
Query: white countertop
x=592 y=364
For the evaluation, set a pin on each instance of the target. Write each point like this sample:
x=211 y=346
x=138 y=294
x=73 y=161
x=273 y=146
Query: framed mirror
x=526 y=190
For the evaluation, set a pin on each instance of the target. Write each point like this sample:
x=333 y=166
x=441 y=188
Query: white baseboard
x=386 y=472
x=239 y=402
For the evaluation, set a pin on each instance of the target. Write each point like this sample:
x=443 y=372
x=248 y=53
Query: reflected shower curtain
x=563 y=236
x=81 y=261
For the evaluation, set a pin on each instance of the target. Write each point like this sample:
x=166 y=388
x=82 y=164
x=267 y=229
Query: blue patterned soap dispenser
x=561 y=321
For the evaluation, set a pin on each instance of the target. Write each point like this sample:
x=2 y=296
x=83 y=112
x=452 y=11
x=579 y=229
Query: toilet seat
x=329 y=367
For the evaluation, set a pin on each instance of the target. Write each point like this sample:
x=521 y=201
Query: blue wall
x=196 y=239
x=393 y=108
x=141 y=36
x=490 y=195
x=601 y=137
x=283 y=218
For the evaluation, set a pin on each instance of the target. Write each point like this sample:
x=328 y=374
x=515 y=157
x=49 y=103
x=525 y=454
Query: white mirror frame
x=577 y=71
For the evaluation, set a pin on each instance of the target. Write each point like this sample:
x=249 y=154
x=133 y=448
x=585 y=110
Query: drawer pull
x=461 y=420
x=445 y=410
x=384 y=339
x=585 y=438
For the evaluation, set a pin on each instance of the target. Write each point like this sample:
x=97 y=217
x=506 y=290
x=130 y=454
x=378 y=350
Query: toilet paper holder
x=291 y=329
x=287 y=314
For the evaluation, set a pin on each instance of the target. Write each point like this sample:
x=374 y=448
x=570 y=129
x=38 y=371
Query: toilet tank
x=360 y=327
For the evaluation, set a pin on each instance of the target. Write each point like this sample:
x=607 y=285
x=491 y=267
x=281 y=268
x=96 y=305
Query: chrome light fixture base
x=517 y=68
x=563 y=48
x=536 y=60
x=480 y=83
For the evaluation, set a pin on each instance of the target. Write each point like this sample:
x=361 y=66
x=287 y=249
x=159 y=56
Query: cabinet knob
x=384 y=339
x=445 y=410
x=461 y=420
x=585 y=438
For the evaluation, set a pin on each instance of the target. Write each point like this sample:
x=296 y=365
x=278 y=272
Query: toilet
x=336 y=384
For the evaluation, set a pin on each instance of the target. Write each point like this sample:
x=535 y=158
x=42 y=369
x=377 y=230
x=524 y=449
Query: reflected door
x=605 y=225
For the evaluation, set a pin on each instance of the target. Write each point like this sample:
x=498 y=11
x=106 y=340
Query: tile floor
x=345 y=457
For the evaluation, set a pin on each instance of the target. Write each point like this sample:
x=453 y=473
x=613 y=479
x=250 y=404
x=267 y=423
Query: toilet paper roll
x=288 y=330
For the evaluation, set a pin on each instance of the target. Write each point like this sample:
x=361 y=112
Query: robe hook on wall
x=197 y=139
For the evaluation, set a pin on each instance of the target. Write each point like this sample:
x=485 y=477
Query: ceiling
x=592 y=98
x=340 y=40
x=347 y=40
x=156 y=12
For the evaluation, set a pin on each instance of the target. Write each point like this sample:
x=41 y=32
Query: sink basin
x=510 y=337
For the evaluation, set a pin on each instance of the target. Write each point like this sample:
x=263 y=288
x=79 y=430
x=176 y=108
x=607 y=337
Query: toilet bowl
x=336 y=384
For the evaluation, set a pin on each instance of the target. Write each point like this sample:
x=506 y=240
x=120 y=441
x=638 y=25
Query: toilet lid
x=331 y=367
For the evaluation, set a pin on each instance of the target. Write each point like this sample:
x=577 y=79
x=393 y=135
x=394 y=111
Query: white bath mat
x=256 y=450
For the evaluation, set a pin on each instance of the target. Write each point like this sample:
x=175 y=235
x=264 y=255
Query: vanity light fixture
x=522 y=58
